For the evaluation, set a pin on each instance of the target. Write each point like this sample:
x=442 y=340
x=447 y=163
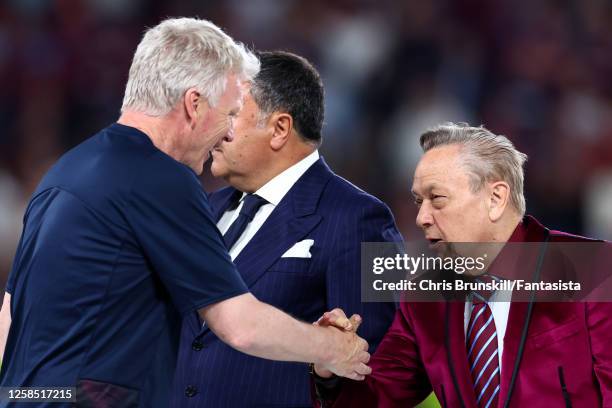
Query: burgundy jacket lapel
x=529 y=230
x=457 y=353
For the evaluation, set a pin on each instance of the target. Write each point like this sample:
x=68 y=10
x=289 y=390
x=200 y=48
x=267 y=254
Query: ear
x=195 y=106
x=283 y=125
x=498 y=199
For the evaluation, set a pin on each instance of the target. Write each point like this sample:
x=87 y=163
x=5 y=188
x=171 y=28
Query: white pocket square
x=300 y=250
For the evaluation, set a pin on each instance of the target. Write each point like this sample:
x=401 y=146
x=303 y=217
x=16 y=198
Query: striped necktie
x=481 y=342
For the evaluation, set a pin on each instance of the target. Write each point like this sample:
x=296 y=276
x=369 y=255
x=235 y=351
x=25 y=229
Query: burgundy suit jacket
x=566 y=360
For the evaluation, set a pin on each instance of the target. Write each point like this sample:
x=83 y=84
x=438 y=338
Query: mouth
x=433 y=242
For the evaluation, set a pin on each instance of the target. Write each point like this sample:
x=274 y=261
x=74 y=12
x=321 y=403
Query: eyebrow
x=428 y=189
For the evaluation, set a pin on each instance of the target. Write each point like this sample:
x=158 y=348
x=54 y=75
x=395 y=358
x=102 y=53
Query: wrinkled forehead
x=440 y=166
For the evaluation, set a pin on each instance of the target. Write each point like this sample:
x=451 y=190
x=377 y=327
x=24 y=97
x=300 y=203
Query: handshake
x=349 y=353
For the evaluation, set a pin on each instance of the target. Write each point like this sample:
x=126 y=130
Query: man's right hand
x=253 y=327
x=352 y=350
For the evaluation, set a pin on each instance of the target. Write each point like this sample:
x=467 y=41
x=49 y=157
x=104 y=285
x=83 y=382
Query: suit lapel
x=457 y=353
x=516 y=321
x=221 y=201
x=290 y=222
x=530 y=230
x=279 y=233
x=523 y=267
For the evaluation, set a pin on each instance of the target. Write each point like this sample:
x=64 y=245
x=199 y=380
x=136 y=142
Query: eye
x=438 y=200
x=418 y=202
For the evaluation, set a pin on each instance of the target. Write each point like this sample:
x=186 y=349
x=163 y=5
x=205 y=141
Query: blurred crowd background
x=538 y=72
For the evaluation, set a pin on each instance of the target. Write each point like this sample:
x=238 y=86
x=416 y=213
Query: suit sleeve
x=600 y=335
x=371 y=222
x=398 y=377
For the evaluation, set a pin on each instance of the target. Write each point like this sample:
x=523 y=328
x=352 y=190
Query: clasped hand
x=351 y=350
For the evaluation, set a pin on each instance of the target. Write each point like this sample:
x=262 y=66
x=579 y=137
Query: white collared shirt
x=499 y=303
x=273 y=191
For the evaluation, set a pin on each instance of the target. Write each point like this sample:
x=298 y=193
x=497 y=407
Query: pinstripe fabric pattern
x=327 y=209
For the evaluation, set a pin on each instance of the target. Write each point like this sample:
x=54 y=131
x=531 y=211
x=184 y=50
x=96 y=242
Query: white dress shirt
x=500 y=308
x=273 y=191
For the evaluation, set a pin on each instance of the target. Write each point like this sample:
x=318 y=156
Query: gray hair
x=486 y=156
x=179 y=54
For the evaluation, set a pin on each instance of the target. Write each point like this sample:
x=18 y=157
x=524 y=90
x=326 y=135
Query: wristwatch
x=326 y=383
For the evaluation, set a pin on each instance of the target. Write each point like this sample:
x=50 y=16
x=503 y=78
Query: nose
x=230 y=134
x=424 y=218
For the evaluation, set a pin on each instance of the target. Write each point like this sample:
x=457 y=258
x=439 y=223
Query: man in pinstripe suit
x=293 y=229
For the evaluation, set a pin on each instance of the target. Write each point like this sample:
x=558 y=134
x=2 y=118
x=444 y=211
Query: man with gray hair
x=484 y=351
x=119 y=242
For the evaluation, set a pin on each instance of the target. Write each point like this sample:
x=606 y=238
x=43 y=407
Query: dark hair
x=289 y=83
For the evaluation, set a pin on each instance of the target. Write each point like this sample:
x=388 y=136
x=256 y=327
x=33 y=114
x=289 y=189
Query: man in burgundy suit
x=479 y=352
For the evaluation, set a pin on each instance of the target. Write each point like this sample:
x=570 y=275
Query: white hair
x=183 y=53
x=486 y=156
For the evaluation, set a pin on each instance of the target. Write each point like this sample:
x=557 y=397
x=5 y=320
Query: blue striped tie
x=481 y=342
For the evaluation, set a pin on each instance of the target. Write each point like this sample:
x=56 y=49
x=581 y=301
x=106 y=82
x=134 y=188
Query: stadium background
x=538 y=72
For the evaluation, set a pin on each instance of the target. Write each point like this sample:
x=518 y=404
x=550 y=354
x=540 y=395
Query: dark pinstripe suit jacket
x=338 y=216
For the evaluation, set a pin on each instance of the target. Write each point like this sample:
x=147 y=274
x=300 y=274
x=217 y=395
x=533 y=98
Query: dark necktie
x=251 y=203
x=481 y=342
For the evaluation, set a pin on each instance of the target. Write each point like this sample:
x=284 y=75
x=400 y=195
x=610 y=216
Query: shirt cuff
x=325 y=390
